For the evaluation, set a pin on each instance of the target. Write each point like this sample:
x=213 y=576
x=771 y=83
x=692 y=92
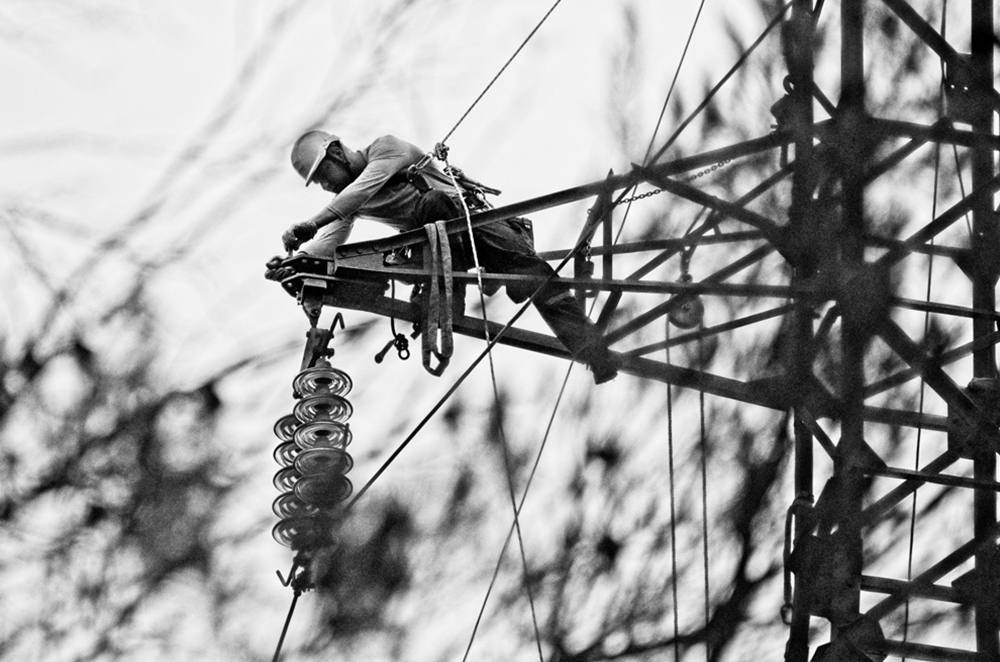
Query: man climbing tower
x=391 y=182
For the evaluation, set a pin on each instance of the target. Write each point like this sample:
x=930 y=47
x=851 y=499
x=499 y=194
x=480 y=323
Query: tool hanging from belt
x=438 y=340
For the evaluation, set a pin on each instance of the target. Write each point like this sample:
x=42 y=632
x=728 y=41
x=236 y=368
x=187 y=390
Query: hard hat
x=309 y=151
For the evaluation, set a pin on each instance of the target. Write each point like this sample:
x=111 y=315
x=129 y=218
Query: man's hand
x=276 y=271
x=298 y=233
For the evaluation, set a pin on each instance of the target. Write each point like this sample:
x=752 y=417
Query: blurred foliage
x=121 y=494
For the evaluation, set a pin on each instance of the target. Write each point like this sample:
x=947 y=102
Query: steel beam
x=984 y=226
x=799 y=40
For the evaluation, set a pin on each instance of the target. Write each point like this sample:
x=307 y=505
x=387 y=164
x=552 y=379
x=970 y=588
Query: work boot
x=601 y=363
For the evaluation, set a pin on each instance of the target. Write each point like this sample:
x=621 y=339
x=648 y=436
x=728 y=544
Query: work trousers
x=507 y=247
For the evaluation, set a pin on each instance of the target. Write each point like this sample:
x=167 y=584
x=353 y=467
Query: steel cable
x=499 y=73
x=718 y=86
x=930 y=273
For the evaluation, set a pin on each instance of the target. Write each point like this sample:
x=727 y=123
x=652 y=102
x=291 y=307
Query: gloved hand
x=298 y=233
x=275 y=271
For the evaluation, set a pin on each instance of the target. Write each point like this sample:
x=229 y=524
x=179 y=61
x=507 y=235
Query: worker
x=378 y=183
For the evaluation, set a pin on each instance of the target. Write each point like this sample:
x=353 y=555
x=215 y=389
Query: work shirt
x=380 y=193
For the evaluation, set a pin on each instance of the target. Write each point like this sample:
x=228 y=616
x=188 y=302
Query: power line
x=499 y=73
x=718 y=86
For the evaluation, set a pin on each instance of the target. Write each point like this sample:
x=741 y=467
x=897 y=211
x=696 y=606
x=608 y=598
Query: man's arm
x=385 y=157
x=302 y=234
x=326 y=243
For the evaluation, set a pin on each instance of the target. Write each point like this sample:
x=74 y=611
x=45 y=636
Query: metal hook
x=401 y=344
x=291 y=574
x=441 y=152
x=686 y=254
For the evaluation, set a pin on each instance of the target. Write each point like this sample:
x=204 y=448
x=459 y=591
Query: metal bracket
x=318 y=341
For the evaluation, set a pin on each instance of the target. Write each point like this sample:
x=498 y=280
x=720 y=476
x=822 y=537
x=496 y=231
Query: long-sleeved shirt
x=380 y=193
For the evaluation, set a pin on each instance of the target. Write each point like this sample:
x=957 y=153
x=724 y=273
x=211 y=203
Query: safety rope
x=438 y=339
x=499 y=73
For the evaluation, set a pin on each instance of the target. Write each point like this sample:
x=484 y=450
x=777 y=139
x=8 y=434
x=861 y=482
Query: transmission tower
x=835 y=291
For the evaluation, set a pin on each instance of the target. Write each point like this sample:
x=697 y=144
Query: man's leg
x=438 y=206
x=508 y=247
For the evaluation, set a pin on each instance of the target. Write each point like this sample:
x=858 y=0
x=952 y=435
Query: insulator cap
x=323 y=434
x=296 y=532
x=323 y=380
x=285 y=479
x=284 y=454
x=323 y=408
x=287 y=505
x=285 y=426
x=323 y=461
x=323 y=491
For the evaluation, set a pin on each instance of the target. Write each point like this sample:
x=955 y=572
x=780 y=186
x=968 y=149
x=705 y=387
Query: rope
x=499 y=73
x=437 y=254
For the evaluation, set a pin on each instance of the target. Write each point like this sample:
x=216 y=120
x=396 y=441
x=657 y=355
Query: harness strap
x=438 y=340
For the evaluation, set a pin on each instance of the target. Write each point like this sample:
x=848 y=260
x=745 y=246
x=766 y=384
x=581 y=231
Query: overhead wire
x=524 y=496
x=702 y=423
x=671 y=471
x=490 y=341
x=288 y=620
x=927 y=319
x=673 y=83
x=718 y=86
x=489 y=344
x=499 y=73
x=671 y=483
x=703 y=437
x=499 y=423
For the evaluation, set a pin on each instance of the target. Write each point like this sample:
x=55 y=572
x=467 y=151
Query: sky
x=162 y=129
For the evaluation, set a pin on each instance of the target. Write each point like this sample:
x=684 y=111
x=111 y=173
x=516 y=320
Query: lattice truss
x=883 y=322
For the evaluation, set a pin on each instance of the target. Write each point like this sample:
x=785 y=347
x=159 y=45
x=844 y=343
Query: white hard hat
x=309 y=151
